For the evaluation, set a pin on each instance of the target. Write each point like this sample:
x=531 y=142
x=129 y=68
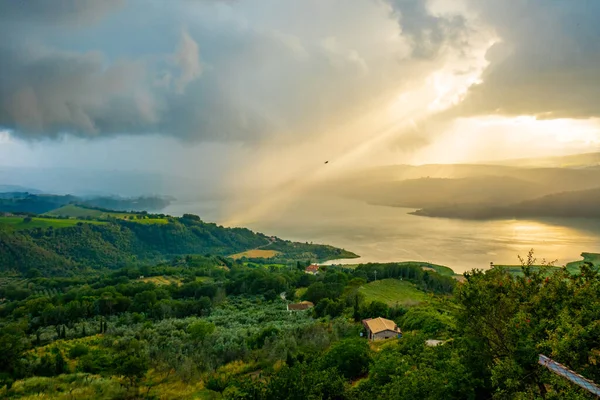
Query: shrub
x=78 y=350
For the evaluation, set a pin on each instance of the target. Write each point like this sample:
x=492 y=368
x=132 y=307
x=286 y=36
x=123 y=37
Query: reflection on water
x=381 y=234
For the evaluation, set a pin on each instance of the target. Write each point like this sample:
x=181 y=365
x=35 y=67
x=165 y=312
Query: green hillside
x=75 y=211
x=393 y=292
x=16 y=202
x=593 y=258
x=81 y=211
x=24 y=223
x=574 y=204
x=120 y=242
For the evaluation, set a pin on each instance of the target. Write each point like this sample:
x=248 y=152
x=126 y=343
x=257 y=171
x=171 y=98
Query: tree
x=12 y=346
x=351 y=357
x=133 y=367
x=506 y=321
x=290 y=294
x=60 y=365
x=34 y=273
x=356 y=309
x=191 y=217
x=200 y=330
x=301 y=381
x=133 y=360
x=375 y=309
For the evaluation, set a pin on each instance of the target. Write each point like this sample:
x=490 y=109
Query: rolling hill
x=433 y=185
x=42 y=203
x=116 y=243
x=575 y=204
x=571 y=161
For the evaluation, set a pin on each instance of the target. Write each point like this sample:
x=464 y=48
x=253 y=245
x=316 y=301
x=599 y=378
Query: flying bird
x=326 y=162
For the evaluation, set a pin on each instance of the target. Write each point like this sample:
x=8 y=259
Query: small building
x=381 y=328
x=303 y=305
x=433 y=342
x=312 y=269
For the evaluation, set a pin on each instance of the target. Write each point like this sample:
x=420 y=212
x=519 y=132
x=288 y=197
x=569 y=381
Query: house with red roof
x=312 y=269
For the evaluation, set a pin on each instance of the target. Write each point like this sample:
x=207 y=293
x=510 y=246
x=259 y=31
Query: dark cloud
x=67 y=12
x=47 y=92
x=546 y=63
x=234 y=73
x=428 y=32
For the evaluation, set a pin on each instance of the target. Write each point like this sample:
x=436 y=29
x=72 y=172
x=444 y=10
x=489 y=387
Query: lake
x=382 y=234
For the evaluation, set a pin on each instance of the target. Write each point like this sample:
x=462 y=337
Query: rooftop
x=377 y=325
x=305 y=305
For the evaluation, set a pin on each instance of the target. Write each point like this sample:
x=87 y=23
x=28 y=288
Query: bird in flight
x=326 y=162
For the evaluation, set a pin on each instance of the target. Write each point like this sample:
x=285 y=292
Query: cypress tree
x=356 y=313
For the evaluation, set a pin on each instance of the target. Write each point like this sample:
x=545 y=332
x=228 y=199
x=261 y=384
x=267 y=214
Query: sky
x=241 y=94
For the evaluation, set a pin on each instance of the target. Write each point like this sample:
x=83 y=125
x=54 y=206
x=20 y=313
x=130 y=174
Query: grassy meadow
x=593 y=258
x=392 y=292
x=573 y=266
x=75 y=211
x=18 y=223
x=256 y=253
x=161 y=280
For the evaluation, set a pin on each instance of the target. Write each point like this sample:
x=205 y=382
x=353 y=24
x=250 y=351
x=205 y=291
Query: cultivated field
x=74 y=211
x=256 y=253
x=392 y=292
x=18 y=223
x=161 y=280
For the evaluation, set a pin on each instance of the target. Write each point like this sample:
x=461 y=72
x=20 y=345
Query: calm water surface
x=380 y=234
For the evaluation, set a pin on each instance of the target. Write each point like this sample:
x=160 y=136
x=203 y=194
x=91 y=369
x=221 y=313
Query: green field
x=150 y=221
x=572 y=267
x=517 y=270
x=593 y=258
x=440 y=269
x=392 y=292
x=18 y=223
x=75 y=211
x=255 y=253
x=161 y=280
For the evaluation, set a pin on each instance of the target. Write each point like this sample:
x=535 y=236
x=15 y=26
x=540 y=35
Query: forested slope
x=121 y=242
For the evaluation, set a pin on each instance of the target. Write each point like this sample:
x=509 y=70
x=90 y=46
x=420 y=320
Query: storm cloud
x=282 y=71
x=546 y=62
x=209 y=70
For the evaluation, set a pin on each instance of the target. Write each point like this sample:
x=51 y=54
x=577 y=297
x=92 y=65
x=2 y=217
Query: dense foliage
x=120 y=242
x=188 y=320
x=207 y=326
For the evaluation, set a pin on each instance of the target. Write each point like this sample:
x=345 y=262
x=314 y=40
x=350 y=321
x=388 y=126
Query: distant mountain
x=84 y=182
x=17 y=188
x=576 y=204
x=16 y=202
x=32 y=203
x=572 y=161
x=435 y=192
x=445 y=185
